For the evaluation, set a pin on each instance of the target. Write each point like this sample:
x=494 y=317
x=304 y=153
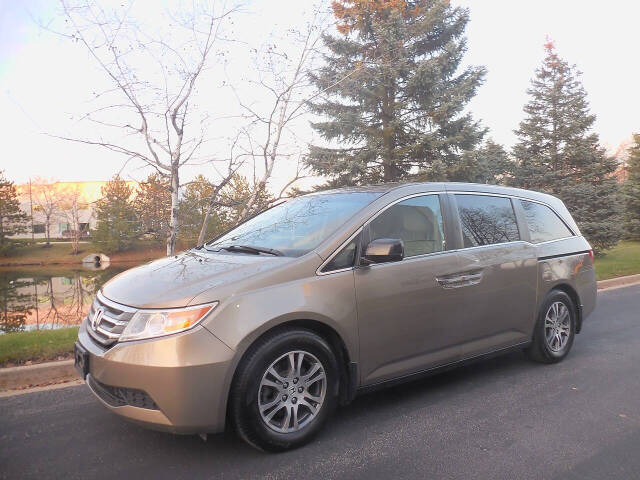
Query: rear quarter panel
x=567 y=262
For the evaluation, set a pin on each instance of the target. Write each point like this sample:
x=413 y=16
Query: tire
x=552 y=339
x=291 y=394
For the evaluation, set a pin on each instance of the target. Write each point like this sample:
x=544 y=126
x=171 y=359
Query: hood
x=175 y=281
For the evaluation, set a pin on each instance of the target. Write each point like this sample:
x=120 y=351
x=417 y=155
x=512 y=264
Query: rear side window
x=486 y=220
x=544 y=225
x=416 y=221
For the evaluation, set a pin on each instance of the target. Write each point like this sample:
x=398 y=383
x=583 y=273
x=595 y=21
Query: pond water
x=46 y=298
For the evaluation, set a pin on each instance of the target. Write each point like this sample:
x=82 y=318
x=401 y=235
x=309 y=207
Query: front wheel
x=555 y=329
x=285 y=389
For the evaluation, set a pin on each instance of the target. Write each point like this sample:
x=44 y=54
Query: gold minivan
x=273 y=324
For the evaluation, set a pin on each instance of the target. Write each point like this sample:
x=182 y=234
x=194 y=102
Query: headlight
x=156 y=323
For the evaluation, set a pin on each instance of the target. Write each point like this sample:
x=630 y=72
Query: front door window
x=416 y=221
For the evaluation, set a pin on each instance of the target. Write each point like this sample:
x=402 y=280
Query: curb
x=619 y=282
x=43 y=388
x=50 y=372
x=63 y=371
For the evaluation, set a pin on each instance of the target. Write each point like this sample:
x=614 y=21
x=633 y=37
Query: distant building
x=88 y=192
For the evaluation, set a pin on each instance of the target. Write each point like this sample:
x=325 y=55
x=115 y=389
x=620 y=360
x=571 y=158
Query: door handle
x=460 y=280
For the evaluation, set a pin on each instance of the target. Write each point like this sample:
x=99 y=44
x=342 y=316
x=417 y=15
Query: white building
x=35 y=197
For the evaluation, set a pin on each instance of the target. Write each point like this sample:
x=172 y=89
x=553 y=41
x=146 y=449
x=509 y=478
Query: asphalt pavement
x=501 y=418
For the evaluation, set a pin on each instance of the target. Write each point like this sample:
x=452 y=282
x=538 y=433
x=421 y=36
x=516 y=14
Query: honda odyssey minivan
x=270 y=326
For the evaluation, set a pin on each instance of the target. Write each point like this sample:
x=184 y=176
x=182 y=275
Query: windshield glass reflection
x=297 y=226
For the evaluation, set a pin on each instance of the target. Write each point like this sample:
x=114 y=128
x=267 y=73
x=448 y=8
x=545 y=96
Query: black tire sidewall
x=552 y=297
x=247 y=415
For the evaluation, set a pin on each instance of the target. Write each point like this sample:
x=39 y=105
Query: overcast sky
x=45 y=81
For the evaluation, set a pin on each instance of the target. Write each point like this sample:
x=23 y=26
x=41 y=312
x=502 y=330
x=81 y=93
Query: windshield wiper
x=251 y=249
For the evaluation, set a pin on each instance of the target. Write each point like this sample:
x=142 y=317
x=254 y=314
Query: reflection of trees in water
x=47 y=301
x=92 y=283
x=65 y=307
x=484 y=228
x=14 y=305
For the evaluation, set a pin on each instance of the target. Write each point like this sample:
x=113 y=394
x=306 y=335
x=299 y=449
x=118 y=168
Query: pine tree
x=391 y=92
x=13 y=220
x=236 y=195
x=558 y=153
x=116 y=225
x=632 y=191
x=486 y=164
x=232 y=200
x=153 y=206
x=192 y=210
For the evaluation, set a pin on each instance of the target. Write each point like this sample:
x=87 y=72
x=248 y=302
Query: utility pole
x=31 y=208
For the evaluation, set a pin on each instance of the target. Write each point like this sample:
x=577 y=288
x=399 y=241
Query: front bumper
x=177 y=383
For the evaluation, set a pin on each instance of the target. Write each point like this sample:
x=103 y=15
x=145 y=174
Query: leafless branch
x=121 y=47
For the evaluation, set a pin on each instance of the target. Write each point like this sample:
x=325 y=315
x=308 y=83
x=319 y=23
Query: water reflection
x=44 y=299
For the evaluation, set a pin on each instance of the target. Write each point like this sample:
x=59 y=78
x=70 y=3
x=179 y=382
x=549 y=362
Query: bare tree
x=154 y=111
x=268 y=138
x=235 y=161
x=74 y=208
x=46 y=201
x=283 y=77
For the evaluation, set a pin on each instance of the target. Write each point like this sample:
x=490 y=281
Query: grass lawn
x=42 y=345
x=62 y=253
x=620 y=261
x=35 y=253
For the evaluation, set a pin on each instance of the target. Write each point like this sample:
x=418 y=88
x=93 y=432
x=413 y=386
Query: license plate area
x=81 y=360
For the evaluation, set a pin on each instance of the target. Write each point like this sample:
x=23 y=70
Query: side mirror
x=383 y=250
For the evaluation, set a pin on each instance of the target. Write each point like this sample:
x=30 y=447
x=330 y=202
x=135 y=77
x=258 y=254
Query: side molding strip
x=564 y=255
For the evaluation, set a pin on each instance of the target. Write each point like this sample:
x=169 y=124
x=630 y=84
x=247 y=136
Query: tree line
x=394 y=109
x=382 y=84
x=125 y=213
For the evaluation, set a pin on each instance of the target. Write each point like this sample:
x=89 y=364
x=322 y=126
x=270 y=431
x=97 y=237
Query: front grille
x=121 y=396
x=106 y=320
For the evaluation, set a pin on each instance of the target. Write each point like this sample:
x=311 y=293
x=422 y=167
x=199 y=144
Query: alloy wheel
x=557 y=326
x=292 y=391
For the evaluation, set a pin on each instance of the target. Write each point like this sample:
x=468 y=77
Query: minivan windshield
x=295 y=227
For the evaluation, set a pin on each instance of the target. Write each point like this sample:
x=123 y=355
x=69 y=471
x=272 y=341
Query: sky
x=46 y=82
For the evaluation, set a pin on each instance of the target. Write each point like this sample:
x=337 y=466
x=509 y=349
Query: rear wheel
x=555 y=329
x=284 y=391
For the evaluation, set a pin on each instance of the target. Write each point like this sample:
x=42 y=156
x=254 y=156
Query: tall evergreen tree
x=13 y=220
x=559 y=153
x=153 y=206
x=391 y=92
x=116 y=226
x=632 y=190
x=486 y=164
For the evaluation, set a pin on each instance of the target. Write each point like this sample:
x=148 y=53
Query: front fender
x=241 y=319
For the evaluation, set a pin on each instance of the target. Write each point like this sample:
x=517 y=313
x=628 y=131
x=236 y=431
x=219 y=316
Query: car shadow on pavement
x=415 y=394
x=94 y=435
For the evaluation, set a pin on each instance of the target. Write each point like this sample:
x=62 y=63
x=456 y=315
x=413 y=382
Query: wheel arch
x=348 y=368
x=575 y=298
